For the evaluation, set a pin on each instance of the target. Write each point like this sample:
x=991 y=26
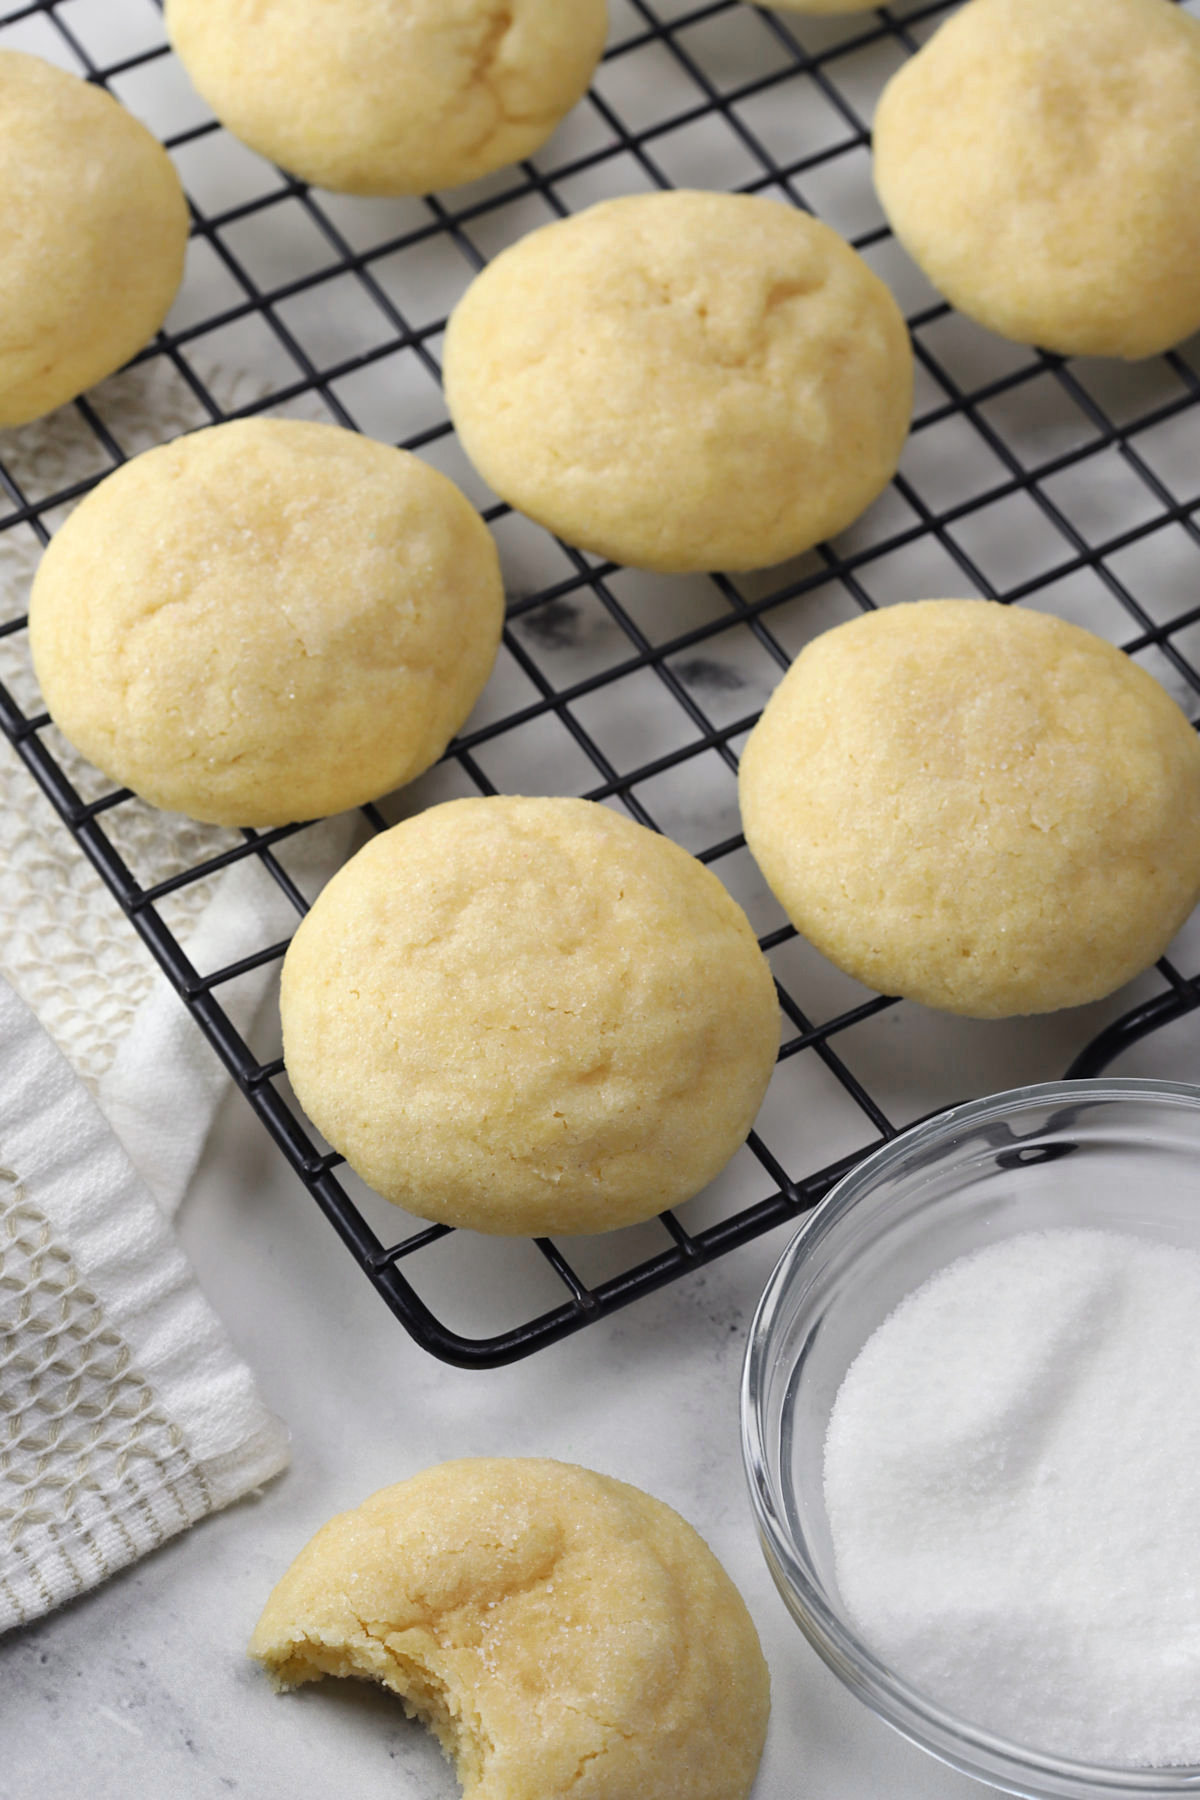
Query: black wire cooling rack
x=1073 y=485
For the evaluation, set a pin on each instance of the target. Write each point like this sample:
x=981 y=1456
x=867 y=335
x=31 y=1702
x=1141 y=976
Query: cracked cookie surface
x=976 y=806
x=527 y=1015
x=390 y=96
x=682 y=380
x=266 y=621
x=562 y=1633
x=1040 y=160
x=95 y=229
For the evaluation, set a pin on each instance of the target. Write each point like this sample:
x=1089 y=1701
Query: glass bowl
x=1115 y=1155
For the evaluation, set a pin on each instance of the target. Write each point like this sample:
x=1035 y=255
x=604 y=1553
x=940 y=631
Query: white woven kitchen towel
x=125 y=1414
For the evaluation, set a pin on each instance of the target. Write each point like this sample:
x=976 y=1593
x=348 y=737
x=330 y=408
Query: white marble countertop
x=142 y=1688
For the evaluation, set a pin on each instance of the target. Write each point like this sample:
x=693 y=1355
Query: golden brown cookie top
x=1040 y=159
x=562 y=1632
x=95 y=231
x=526 y=1015
x=390 y=96
x=266 y=621
x=980 y=807
x=682 y=380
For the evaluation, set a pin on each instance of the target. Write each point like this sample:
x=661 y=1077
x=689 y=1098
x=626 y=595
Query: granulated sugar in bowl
x=971 y=1422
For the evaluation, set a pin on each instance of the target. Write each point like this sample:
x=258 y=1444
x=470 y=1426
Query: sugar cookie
x=1040 y=159
x=527 y=1016
x=390 y=96
x=562 y=1633
x=682 y=381
x=977 y=806
x=95 y=228
x=266 y=621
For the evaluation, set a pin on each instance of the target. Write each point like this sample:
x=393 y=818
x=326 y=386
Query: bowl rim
x=969 y=1748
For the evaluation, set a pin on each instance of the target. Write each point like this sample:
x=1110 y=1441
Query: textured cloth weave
x=124 y=1412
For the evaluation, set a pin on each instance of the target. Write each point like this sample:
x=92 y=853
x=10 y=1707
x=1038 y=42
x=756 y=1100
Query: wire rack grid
x=1069 y=484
